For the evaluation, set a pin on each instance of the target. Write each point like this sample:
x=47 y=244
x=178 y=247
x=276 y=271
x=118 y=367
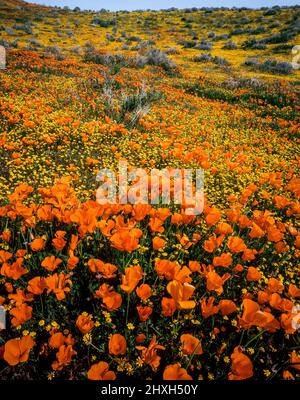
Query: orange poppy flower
x=21 y=314
x=15 y=270
x=36 y=285
x=149 y=354
x=56 y=340
x=263 y=297
x=5 y=256
x=63 y=357
x=86 y=219
x=236 y=244
x=213 y=216
x=241 y=366
x=181 y=293
x=58 y=285
x=215 y=282
x=158 y=243
x=295 y=360
x=227 y=307
x=51 y=263
x=20 y=297
x=253 y=275
x=172 y=270
x=37 y=244
x=85 y=323
x=208 y=308
x=110 y=298
x=144 y=312
x=225 y=260
x=131 y=278
x=144 y=291
x=249 y=254
x=101 y=372
x=174 y=372
x=190 y=344
x=72 y=260
x=274 y=235
x=256 y=231
x=59 y=242
x=275 y=286
x=17 y=350
x=293 y=291
x=168 y=306
x=194 y=266
x=117 y=344
x=253 y=316
x=126 y=240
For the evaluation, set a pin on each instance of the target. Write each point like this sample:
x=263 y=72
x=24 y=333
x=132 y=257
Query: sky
x=160 y=4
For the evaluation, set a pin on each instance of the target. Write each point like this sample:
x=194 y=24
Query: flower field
x=105 y=292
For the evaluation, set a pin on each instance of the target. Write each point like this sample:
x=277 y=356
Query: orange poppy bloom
x=236 y=244
x=274 y=235
x=37 y=244
x=168 y=306
x=256 y=231
x=56 y=340
x=131 y=278
x=213 y=216
x=144 y=312
x=249 y=254
x=72 y=260
x=110 y=298
x=101 y=372
x=51 y=263
x=293 y=291
x=36 y=285
x=149 y=355
x=21 y=314
x=215 y=282
x=5 y=256
x=295 y=360
x=172 y=270
x=15 y=270
x=227 y=307
x=194 y=266
x=208 y=308
x=241 y=366
x=63 y=357
x=85 y=323
x=253 y=316
x=144 y=291
x=140 y=338
x=117 y=344
x=17 y=350
x=58 y=285
x=158 y=243
x=225 y=260
x=190 y=344
x=181 y=293
x=174 y=372
x=126 y=240
x=275 y=286
x=59 y=242
x=86 y=219
x=253 y=275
